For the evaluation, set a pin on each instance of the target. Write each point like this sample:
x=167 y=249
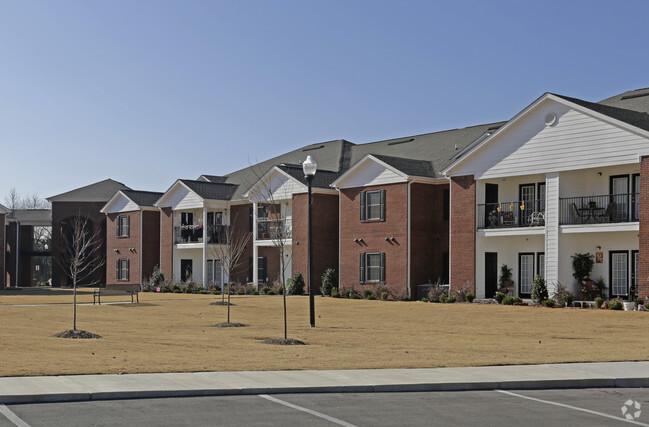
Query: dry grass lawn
x=175 y=333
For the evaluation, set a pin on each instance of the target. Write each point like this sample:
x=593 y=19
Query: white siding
x=182 y=198
x=276 y=186
x=552 y=186
x=122 y=204
x=577 y=141
x=371 y=173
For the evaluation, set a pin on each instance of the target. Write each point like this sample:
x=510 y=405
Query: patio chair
x=607 y=214
x=580 y=213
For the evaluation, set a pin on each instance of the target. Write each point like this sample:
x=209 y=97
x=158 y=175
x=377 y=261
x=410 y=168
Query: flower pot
x=628 y=305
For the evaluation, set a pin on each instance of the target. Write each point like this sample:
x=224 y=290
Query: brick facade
x=357 y=237
x=463 y=244
x=62 y=215
x=4 y=279
x=643 y=280
x=324 y=211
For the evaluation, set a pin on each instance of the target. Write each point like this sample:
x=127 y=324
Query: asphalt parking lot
x=592 y=407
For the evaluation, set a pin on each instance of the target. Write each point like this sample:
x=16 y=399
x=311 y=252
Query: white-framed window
x=123 y=226
x=540 y=264
x=619 y=273
x=525 y=273
x=122 y=269
x=214 y=271
x=372 y=267
x=373 y=205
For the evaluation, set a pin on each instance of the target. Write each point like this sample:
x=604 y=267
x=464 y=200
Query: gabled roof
x=213 y=178
x=101 y=191
x=211 y=190
x=410 y=167
x=321 y=179
x=636 y=100
x=142 y=198
x=31 y=216
x=634 y=118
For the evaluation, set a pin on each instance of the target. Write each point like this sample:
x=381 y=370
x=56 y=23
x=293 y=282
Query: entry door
x=526 y=194
x=185 y=269
x=525 y=274
x=619 y=266
x=491 y=201
x=620 y=197
x=490 y=274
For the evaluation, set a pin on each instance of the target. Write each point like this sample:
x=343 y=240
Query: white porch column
x=205 y=247
x=255 y=249
x=552 y=231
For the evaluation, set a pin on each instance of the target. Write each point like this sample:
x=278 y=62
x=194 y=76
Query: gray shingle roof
x=30 y=215
x=211 y=190
x=410 y=167
x=636 y=100
x=143 y=198
x=213 y=178
x=321 y=179
x=635 y=118
x=101 y=191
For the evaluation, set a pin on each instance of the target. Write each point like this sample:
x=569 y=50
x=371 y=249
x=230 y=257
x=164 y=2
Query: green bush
x=351 y=294
x=517 y=299
x=461 y=293
x=203 y=291
x=499 y=297
x=449 y=300
x=367 y=293
x=295 y=285
x=615 y=305
x=335 y=293
x=371 y=297
x=548 y=303
x=265 y=290
x=637 y=302
x=539 y=290
x=563 y=296
x=470 y=296
x=329 y=282
x=241 y=291
x=436 y=293
x=385 y=295
x=598 y=302
x=507 y=300
x=176 y=289
x=424 y=299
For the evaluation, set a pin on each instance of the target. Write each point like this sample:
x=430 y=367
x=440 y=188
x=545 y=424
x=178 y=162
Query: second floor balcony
x=274 y=229
x=193 y=233
x=601 y=209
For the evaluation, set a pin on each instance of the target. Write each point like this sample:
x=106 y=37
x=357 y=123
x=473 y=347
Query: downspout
x=140 y=250
x=409 y=240
x=17 y=251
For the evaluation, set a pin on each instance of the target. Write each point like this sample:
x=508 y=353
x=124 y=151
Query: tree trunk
x=228 y=303
x=74 y=293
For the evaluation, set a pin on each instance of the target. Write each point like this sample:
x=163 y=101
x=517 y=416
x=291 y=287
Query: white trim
x=513 y=231
x=264 y=180
x=594 y=228
x=339 y=183
x=170 y=190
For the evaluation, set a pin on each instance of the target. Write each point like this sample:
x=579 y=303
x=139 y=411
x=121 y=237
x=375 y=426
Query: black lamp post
x=309 y=167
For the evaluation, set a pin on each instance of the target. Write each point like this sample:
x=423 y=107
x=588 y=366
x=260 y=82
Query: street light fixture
x=309 y=167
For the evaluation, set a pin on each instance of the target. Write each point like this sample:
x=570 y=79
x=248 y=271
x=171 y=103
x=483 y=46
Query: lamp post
x=309 y=167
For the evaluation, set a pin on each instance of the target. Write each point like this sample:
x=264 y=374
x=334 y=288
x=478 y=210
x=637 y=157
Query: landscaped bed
x=175 y=332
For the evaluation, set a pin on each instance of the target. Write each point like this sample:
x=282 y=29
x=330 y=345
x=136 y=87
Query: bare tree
x=233 y=243
x=79 y=256
x=13 y=200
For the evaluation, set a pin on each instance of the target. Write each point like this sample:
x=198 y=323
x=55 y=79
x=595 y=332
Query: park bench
x=133 y=292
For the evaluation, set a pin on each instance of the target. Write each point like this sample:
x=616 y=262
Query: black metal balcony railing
x=273 y=229
x=511 y=214
x=609 y=208
x=216 y=234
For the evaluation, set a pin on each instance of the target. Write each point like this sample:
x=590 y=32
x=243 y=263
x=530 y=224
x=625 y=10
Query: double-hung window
x=123 y=226
x=122 y=269
x=372 y=267
x=373 y=205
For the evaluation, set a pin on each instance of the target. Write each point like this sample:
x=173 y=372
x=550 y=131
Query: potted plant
x=582 y=265
x=506 y=282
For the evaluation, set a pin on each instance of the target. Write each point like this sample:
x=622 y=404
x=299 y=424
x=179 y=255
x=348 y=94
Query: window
x=186 y=218
x=372 y=267
x=619 y=271
x=635 y=260
x=123 y=228
x=214 y=269
x=262 y=271
x=122 y=269
x=540 y=264
x=525 y=273
x=373 y=205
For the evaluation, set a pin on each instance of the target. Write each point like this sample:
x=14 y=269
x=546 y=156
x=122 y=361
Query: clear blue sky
x=145 y=92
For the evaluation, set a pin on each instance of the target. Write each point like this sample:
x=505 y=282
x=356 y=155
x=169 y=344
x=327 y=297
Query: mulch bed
x=76 y=334
x=282 y=341
x=230 y=325
x=225 y=303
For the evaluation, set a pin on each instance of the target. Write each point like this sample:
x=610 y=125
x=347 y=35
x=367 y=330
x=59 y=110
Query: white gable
x=120 y=203
x=275 y=185
x=580 y=139
x=180 y=197
x=369 y=171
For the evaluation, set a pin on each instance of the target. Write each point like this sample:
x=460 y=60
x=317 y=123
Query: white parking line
x=308 y=411
x=563 y=405
x=8 y=413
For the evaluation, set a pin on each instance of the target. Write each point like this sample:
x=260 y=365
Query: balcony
x=216 y=234
x=608 y=208
x=273 y=229
x=604 y=209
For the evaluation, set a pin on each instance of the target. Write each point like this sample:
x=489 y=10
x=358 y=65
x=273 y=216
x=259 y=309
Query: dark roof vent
x=401 y=141
x=313 y=148
x=637 y=95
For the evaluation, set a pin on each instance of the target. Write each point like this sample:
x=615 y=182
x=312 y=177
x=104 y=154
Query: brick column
x=643 y=279
x=463 y=207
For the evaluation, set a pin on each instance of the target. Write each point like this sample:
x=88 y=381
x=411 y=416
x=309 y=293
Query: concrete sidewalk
x=101 y=387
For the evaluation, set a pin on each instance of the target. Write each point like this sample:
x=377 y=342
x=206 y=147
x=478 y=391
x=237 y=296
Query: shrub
x=637 y=302
x=329 y=281
x=350 y=293
x=461 y=292
x=424 y=299
x=436 y=292
x=295 y=285
x=367 y=293
x=335 y=293
x=385 y=295
x=517 y=299
x=450 y=300
x=400 y=294
x=582 y=264
x=470 y=296
x=271 y=292
x=539 y=290
x=265 y=290
x=548 y=303
x=563 y=296
x=615 y=304
x=598 y=302
x=499 y=297
x=203 y=291
x=176 y=289
x=241 y=291
x=371 y=297
x=507 y=300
